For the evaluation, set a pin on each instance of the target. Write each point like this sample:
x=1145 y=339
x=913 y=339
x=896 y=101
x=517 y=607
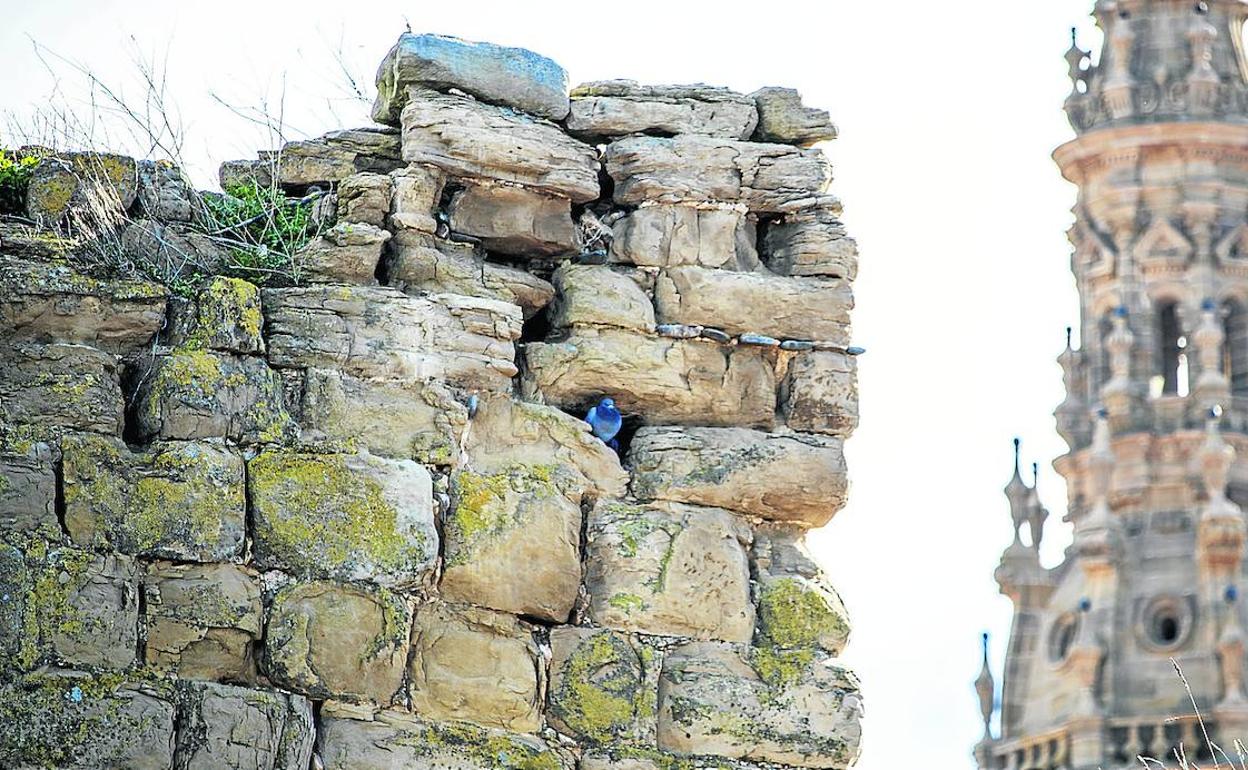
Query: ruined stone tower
x=297 y=475
x=1155 y=414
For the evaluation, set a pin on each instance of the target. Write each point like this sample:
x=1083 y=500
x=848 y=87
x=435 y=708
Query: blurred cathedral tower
x=1156 y=417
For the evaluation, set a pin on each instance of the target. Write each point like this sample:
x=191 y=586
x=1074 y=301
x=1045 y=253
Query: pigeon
x=605 y=421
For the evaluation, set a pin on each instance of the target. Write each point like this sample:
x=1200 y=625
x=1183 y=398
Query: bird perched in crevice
x=605 y=422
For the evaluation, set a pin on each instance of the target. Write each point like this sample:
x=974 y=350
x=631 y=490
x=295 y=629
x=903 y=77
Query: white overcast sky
x=948 y=112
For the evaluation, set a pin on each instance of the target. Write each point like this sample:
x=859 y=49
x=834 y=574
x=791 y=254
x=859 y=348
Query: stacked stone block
x=358 y=522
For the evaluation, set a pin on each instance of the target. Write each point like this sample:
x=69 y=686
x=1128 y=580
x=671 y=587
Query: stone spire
x=1163 y=60
x=985 y=688
x=1017 y=493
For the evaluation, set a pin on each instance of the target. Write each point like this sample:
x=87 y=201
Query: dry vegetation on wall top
x=294 y=475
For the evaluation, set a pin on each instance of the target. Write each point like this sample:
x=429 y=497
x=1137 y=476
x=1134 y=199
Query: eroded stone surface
x=202 y=621
x=740 y=303
x=346 y=517
x=420 y=421
x=671 y=235
x=77 y=721
x=242 y=729
x=770 y=178
x=659 y=380
x=812 y=241
x=181 y=500
x=421 y=263
x=522 y=520
x=507 y=432
x=592 y=295
x=327 y=640
x=28 y=489
x=60 y=387
x=199 y=394
x=346 y=253
x=512 y=220
x=174 y=250
x=394 y=739
x=646 y=561
x=165 y=193
x=798 y=609
x=48 y=302
x=717 y=699
x=80 y=181
x=417 y=193
x=225 y=315
x=512 y=77
x=611 y=108
x=365 y=198
x=602 y=686
x=796 y=478
x=470 y=139
x=338 y=155
x=783 y=118
x=820 y=393
x=378 y=332
x=475 y=665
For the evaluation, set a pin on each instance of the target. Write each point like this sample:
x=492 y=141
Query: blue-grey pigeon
x=605 y=421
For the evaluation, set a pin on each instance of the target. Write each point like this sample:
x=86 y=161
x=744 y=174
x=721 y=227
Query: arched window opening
x=1235 y=346
x=1172 y=350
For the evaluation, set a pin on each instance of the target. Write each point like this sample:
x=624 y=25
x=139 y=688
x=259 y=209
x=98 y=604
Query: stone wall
x=356 y=520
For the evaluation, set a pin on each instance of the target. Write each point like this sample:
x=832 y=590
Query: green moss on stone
x=486 y=506
x=484 y=748
x=602 y=693
x=793 y=616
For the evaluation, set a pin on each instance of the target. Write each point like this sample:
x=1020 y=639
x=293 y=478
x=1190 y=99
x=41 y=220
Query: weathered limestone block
x=506 y=433
x=201 y=620
x=379 y=332
x=239 y=173
x=416 y=197
x=525 y=520
x=812 y=241
x=820 y=393
x=783 y=118
x=670 y=570
x=603 y=686
x=512 y=220
x=172 y=250
x=326 y=640
x=63 y=604
x=365 y=199
x=235 y=728
x=475 y=665
x=60 y=387
x=671 y=235
x=661 y=380
x=179 y=500
x=224 y=316
x=419 y=421
x=798 y=609
x=48 y=302
x=336 y=156
x=422 y=263
x=77 y=721
x=715 y=700
x=345 y=517
x=776 y=306
x=196 y=394
x=164 y=192
x=394 y=739
x=28 y=489
x=511 y=77
x=80 y=180
x=346 y=253
x=611 y=108
x=769 y=178
x=779 y=477
x=467 y=138
x=593 y=295
x=630 y=759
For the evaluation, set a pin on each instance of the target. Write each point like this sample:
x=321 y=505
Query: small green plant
x=265 y=230
x=16 y=168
